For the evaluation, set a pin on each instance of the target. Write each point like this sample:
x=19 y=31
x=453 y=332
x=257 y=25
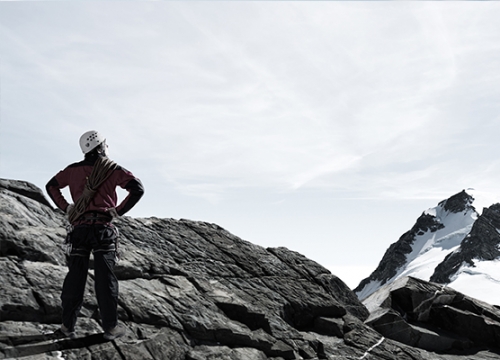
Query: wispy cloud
x=224 y=95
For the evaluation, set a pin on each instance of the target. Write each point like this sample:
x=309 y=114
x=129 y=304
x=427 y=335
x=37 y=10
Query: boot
x=67 y=332
x=116 y=332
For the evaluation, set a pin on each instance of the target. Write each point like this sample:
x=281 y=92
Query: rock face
x=191 y=291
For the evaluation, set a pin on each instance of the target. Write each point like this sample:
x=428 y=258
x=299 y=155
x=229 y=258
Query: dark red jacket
x=75 y=176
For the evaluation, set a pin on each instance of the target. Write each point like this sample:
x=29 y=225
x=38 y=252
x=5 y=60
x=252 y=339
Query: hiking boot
x=116 y=332
x=67 y=332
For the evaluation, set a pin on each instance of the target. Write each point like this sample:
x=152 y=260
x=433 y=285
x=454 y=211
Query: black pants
x=101 y=240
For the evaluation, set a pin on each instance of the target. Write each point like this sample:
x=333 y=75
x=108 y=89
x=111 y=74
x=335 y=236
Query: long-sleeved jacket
x=75 y=176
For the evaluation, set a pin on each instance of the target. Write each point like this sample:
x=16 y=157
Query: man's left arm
x=54 y=187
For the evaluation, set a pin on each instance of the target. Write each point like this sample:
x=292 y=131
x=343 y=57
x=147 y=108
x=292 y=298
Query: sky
x=324 y=127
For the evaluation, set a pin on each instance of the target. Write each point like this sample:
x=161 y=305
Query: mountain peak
x=458 y=203
x=437 y=232
x=449 y=244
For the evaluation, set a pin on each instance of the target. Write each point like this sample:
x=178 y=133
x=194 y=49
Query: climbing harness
x=67 y=241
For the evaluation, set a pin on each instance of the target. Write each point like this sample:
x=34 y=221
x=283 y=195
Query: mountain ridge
x=444 y=246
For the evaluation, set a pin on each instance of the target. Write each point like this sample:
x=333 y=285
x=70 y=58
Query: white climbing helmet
x=90 y=140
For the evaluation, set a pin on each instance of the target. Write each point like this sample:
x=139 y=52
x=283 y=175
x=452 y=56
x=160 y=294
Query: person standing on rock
x=92 y=184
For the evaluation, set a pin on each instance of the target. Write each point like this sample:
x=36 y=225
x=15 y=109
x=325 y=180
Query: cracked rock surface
x=189 y=290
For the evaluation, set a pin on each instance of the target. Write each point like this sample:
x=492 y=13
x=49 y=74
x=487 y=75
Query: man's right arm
x=136 y=191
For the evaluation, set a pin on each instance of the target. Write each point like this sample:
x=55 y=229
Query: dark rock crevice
x=242 y=314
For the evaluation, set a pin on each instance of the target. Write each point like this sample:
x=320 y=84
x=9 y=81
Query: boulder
x=433 y=317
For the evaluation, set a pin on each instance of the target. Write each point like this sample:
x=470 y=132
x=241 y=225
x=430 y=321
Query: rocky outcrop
x=24 y=188
x=433 y=317
x=482 y=243
x=188 y=290
x=458 y=203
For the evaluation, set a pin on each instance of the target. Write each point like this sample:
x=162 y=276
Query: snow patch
x=369 y=289
x=481 y=281
x=431 y=211
x=373 y=347
x=430 y=249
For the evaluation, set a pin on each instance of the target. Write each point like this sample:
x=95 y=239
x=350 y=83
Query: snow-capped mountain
x=449 y=244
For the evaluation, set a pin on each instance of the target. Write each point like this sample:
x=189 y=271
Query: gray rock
x=188 y=290
x=433 y=317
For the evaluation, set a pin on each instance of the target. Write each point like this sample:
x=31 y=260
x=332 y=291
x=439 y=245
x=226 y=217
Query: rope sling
x=101 y=171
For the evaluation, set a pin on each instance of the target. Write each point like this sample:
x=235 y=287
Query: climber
x=92 y=184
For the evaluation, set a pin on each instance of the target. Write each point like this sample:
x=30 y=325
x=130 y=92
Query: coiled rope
x=102 y=170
